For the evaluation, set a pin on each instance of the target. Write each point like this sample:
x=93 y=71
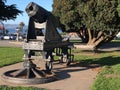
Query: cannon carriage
x=48 y=41
x=42 y=37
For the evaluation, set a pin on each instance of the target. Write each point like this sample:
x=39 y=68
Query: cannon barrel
x=38 y=13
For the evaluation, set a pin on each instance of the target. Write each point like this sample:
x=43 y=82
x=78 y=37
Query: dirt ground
x=73 y=77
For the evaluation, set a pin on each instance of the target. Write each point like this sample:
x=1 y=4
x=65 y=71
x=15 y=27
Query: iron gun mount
x=42 y=37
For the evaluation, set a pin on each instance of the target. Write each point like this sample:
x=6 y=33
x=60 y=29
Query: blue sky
x=21 y=5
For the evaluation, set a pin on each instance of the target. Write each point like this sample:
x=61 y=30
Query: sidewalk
x=69 y=78
x=9 y=43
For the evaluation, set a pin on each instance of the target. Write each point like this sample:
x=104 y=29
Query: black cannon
x=50 y=40
x=42 y=37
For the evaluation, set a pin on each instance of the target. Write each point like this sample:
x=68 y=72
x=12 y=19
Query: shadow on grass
x=111 y=45
x=108 y=61
x=63 y=72
x=105 y=61
x=95 y=52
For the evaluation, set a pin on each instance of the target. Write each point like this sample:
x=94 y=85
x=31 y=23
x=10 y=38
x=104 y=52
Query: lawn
x=20 y=88
x=10 y=55
x=107 y=79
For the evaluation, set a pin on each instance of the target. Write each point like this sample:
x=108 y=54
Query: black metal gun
x=49 y=42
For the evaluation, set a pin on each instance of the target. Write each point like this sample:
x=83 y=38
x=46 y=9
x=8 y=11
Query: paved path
x=69 y=78
x=10 y=43
x=112 y=46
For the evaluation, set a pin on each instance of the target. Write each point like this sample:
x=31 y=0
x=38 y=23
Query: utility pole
x=17 y=30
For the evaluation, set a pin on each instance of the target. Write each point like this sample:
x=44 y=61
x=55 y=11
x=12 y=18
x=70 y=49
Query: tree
x=21 y=25
x=95 y=20
x=67 y=13
x=8 y=12
x=101 y=19
x=118 y=8
x=20 y=30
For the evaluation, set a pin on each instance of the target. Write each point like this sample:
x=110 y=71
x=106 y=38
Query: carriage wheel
x=68 y=62
x=65 y=60
x=49 y=66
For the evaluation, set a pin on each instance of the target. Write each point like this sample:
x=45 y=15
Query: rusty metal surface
x=9 y=77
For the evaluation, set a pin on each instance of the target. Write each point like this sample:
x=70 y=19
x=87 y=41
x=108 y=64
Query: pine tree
x=95 y=20
x=8 y=12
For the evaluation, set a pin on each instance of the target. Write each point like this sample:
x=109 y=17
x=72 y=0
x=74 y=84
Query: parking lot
x=12 y=37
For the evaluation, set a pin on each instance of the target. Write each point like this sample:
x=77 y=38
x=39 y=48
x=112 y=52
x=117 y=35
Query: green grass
x=109 y=60
x=20 y=88
x=10 y=55
x=103 y=58
x=103 y=82
x=117 y=41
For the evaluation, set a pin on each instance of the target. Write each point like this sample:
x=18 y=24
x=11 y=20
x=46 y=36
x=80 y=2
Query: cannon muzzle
x=35 y=11
x=39 y=15
x=31 y=9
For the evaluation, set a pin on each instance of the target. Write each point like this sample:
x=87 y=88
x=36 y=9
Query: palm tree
x=21 y=25
x=19 y=30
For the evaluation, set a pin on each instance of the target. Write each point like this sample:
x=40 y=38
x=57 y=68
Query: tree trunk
x=82 y=33
x=97 y=39
x=90 y=37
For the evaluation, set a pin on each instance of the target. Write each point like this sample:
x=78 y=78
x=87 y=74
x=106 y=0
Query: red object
x=1 y=27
